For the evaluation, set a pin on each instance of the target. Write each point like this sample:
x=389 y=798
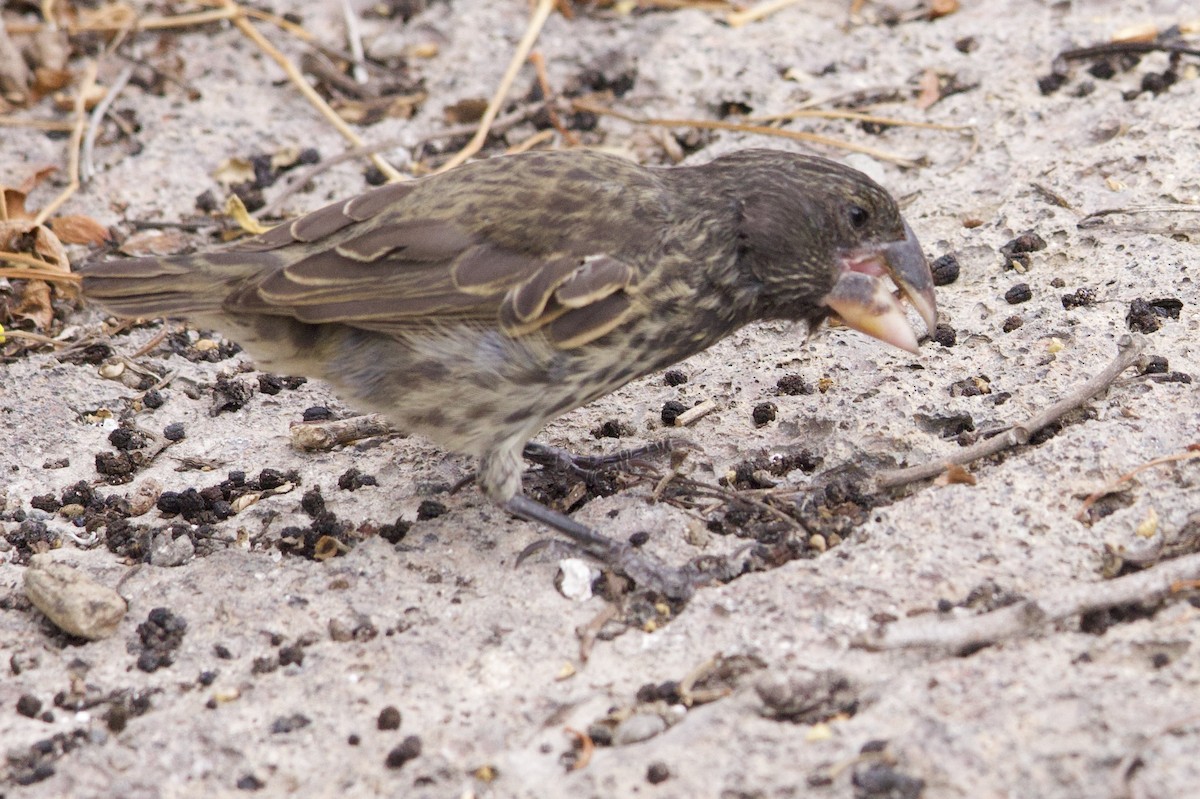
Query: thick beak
x=865 y=302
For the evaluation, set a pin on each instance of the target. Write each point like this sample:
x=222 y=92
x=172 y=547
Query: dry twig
x=1129 y=347
x=324 y=436
x=539 y=66
x=97 y=116
x=968 y=634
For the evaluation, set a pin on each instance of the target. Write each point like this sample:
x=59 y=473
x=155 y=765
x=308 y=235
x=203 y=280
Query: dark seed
x=29 y=705
x=945 y=335
x=671 y=410
x=945 y=270
x=317 y=413
x=389 y=718
x=408 y=749
x=764 y=413
x=1018 y=294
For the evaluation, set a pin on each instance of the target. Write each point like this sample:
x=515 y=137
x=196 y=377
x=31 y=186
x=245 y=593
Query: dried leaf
x=79 y=229
x=65 y=101
x=14 y=198
x=929 y=89
x=236 y=210
x=47 y=245
x=234 y=171
x=941 y=8
x=35 y=305
x=955 y=474
x=284 y=158
x=154 y=242
x=465 y=111
x=47 y=80
x=33 y=181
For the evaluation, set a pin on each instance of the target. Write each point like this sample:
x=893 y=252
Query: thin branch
x=1129 y=348
x=1024 y=618
x=36 y=124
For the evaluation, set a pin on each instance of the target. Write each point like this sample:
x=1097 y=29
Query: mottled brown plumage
x=473 y=307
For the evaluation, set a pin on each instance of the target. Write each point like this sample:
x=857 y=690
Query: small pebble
x=29 y=705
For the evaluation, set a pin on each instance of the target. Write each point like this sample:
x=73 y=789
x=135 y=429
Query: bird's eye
x=858 y=216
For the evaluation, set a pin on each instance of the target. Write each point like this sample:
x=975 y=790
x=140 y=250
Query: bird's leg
x=586 y=465
x=641 y=567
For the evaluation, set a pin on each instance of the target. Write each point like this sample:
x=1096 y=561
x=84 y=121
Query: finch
x=474 y=306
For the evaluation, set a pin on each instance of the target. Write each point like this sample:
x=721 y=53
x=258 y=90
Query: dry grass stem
x=737 y=19
x=1191 y=453
x=76 y=142
x=536 y=21
x=244 y=25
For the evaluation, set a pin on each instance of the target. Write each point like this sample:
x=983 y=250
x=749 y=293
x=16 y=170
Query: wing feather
x=408 y=256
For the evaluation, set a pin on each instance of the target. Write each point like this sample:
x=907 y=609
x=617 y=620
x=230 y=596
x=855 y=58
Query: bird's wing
x=376 y=264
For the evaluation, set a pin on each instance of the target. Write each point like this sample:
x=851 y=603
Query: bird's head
x=823 y=239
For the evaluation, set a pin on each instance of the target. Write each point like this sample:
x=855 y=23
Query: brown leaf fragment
x=942 y=8
x=47 y=80
x=154 y=242
x=35 y=305
x=929 y=89
x=233 y=171
x=955 y=474
x=79 y=229
x=465 y=111
x=33 y=181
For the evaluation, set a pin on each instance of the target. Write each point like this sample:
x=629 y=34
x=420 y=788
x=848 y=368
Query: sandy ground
x=279 y=680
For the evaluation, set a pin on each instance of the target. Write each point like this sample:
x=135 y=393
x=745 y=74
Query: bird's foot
x=587 y=465
x=643 y=568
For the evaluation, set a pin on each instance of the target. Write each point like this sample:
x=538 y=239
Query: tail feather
x=149 y=287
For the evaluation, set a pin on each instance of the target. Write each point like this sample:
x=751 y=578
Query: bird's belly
x=464 y=388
